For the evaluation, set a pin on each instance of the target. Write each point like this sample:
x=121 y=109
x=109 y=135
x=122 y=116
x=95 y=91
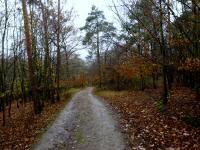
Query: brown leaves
x=190 y=64
x=136 y=67
x=22 y=129
x=147 y=128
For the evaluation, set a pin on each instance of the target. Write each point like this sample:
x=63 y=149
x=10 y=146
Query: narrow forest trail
x=85 y=124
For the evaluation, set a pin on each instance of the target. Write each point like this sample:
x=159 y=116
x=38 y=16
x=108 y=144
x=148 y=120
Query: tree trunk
x=163 y=51
x=98 y=58
x=32 y=78
x=47 y=61
x=3 y=74
x=154 y=80
x=67 y=66
x=4 y=112
x=58 y=54
x=196 y=51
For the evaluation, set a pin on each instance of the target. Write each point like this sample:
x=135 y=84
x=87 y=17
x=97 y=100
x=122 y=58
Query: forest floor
x=24 y=128
x=121 y=120
x=86 y=123
x=150 y=128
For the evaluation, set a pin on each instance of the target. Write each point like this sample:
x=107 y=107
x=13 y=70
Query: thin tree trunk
x=154 y=80
x=47 y=66
x=98 y=58
x=67 y=66
x=3 y=74
x=4 y=113
x=196 y=51
x=163 y=50
x=169 y=30
x=58 y=54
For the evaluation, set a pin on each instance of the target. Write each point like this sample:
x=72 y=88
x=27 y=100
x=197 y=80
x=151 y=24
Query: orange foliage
x=179 y=42
x=136 y=67
x=190 y=64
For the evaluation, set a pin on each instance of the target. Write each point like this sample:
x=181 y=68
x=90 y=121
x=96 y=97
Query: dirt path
x=85 y=124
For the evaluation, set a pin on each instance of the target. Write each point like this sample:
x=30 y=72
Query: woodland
x=149 y=62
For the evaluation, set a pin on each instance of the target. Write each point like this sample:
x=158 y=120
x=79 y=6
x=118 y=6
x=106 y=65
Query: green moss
x=160 y=105
x=80 y=136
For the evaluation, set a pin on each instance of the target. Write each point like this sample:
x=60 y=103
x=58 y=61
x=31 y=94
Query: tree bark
x=163 y=51
x=58 y=54
x=98 y=57
x=3 y=74
x=47 y=61
x=32 y=76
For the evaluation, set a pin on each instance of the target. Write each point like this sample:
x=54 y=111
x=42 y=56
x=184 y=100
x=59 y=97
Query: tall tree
x=32 y=77
x=96 y=26
x=58 y=53
x=3 y=70
x=47 y=60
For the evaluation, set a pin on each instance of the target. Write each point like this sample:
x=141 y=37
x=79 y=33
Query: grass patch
x=69 y=93
x=73 y=90
x=109 y=93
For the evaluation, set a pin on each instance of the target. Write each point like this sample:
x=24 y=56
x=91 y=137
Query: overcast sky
x=83 y=7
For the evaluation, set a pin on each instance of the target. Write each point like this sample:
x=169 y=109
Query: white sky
x=83 y=7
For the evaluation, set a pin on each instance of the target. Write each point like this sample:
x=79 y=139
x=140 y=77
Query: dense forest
x=155 y=45
x=36 y=47
x=158 y=40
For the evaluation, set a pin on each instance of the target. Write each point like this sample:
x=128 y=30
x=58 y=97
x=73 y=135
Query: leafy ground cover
x=150 y=128
x=24 y=128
